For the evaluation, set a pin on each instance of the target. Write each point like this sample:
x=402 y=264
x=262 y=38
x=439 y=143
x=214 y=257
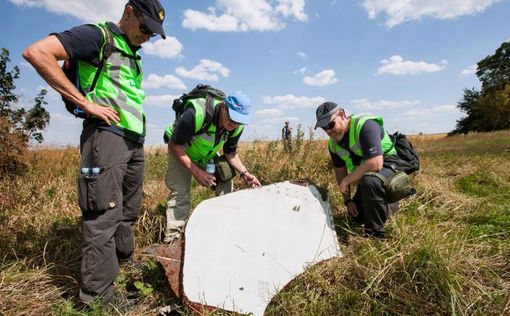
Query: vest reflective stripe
x=201 y=148
x=357 y=122
x=342 y=153
x=119 y=85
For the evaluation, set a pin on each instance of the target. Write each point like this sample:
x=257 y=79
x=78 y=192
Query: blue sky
x=407 y=60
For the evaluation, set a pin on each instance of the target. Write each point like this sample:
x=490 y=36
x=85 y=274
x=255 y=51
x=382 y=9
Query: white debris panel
x=243 y=247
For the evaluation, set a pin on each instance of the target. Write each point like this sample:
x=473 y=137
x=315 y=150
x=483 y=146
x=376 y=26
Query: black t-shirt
x=84 y=43
x=370 y=138
x=184 y=130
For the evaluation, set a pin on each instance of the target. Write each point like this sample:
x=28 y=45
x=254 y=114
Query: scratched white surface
x=243 y=247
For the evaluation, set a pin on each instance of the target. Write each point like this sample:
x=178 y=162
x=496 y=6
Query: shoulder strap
x=209 y=114
x=107 y=50
x=393 y=138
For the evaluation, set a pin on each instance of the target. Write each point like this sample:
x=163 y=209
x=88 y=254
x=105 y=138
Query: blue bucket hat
x=238 y=106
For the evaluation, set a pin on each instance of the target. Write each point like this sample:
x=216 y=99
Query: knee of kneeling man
x=369 y=181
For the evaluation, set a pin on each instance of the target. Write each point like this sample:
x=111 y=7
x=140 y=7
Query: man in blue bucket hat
x=193 y=145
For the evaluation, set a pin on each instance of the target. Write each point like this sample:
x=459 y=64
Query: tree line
x=488 y=109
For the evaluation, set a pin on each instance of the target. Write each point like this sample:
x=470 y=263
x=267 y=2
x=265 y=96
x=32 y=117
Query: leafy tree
x=488 y=109
x=469 y=104
x=495 y=111
x=18 y=126
x=494 y=70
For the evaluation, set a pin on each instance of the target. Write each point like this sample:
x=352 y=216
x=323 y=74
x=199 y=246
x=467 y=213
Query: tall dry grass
x=448 y=250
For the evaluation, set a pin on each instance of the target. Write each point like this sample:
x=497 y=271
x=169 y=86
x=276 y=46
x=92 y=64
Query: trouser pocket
x=98 y=192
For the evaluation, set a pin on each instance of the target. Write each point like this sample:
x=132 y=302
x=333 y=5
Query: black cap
x=325 y=112
x=153 y=14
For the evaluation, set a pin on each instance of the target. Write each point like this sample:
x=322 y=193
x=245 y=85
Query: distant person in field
x=111 y=144
x=287 y=136
x=359 y=144
x=189 y=153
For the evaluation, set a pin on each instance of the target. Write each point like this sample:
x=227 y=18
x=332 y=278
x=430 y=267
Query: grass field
x=448 y=250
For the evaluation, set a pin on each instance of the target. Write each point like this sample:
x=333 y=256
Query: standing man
x=189 y=153
x=287 y=137
x=111 y=144
x=358 y=144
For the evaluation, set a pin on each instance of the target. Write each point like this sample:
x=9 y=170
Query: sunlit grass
x=448 y=250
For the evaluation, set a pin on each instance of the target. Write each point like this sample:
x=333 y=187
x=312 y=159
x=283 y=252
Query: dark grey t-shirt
x=184 y=130
x=84 y=43
x=370 y=138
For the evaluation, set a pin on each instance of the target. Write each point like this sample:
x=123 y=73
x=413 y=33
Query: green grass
x=448 y=251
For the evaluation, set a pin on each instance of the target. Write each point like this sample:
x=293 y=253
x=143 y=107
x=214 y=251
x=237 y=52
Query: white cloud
x=365 y=104
x=205 y=70
x=269 y=113
x=160 y=100
x=396 y=65
x=290 y=101
x=163 y=48
x=323 y=78
x=300 y=71
x=435 y=111
x=87 y=11
x=400 y=11
x=293 y=8
x=471 y=70
x=302 y=55
x=154 y=81
x=242 y=16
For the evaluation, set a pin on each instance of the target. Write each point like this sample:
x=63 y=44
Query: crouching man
x=189 y=153
x=359 y=145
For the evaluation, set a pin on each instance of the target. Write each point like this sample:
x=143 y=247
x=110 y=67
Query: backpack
x=200 y=91
x=70 y=68
x=406 y=152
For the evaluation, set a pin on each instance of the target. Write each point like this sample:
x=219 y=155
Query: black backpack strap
x=209 y=114
x=108 y=48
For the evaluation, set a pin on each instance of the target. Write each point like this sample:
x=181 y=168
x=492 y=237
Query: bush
x=18 y=126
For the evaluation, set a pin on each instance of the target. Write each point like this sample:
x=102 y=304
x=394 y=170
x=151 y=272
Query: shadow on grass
x=346 y=227
x=57 y=247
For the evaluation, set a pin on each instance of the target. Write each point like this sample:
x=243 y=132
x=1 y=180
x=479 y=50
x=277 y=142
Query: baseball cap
x=238 y=106
x=153 y=14
x=325 y=112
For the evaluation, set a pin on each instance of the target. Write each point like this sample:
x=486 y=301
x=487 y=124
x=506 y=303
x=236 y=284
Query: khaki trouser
x=178 y=180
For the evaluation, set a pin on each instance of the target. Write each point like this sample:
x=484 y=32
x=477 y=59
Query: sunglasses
x=329 y=126
x=143 y=28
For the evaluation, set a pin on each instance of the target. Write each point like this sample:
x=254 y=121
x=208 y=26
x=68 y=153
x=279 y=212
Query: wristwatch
x=242 y=173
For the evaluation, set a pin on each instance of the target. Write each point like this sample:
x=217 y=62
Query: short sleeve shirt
x=370 y=138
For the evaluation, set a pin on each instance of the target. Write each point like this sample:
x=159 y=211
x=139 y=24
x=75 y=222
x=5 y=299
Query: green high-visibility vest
x=119 y=85
x=201 y=149
x=355 y=126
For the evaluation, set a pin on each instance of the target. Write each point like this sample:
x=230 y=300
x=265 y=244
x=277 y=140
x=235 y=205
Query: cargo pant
x=178 y=180
x=370 y=200
x=110 y=202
